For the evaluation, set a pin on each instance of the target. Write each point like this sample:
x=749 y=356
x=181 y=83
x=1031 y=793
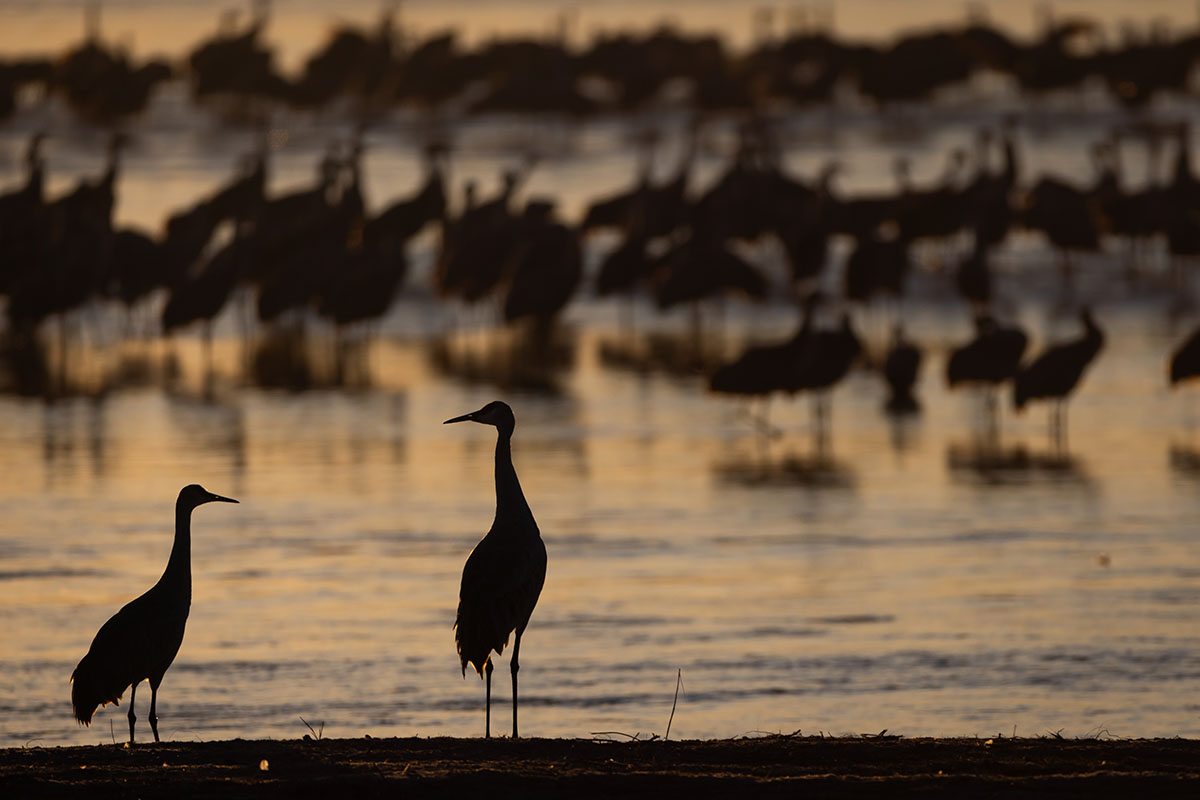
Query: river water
x=911 y=576
x=906 y=578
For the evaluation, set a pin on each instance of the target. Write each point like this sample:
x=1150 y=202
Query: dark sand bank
x=783 y=766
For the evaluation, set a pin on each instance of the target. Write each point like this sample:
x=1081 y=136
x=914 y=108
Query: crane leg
x=153 y=706
x=515 y=666
x=487 y=712
x=131 y=715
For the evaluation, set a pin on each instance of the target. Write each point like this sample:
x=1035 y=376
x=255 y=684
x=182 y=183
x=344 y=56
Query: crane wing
x=500 y=587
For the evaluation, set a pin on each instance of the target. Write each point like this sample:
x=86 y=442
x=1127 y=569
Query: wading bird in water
x=504 y=573
x=140 y=641
x=1054 y=374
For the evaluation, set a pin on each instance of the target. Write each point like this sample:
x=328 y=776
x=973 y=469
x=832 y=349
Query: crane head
x=196 y=495
x=495 y=413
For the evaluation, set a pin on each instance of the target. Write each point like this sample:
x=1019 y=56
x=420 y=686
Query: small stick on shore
x=678 y=686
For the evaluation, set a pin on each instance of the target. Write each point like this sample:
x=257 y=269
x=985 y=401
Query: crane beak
x=216 y=498
x=464 y=418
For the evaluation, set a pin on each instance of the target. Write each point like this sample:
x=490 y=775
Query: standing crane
x=504 y=574
x=140 y=641
x=901 y=367
x=1185 y=360
x=1054 y=374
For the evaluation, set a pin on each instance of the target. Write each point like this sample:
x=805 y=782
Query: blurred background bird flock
x=847 y=256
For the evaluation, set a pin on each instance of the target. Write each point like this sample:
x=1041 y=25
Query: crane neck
x=179 y=567
x=511 y=506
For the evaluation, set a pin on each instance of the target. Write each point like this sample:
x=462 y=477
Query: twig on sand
x=757 y=734
x=633 y=737
x=881 y=735
x=1100 y=733
x=636 y=737
x=316 y=733
x=678 y=686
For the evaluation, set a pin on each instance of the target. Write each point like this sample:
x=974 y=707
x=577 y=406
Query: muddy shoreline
x=777 y=766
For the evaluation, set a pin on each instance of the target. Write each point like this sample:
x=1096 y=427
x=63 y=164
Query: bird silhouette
x=620 y=209
x=934 y=212
x=140 y=641
x=1185 y=361
x=628 y=265
x=1054 y=374
x=876 y=266
x=237 y=63
x=504 y=574
x=476 y=247
x=405 y=218
x=767 y=368
x=1066 y=215
x=77 y=249
x=805 y=231
x=991 y=358
x=23 y=219
x=900 y=370
x=827 y=358
x=988 y=360
x=546 y=269
x=973 y=276
x=1182 y=203
x=987 y=203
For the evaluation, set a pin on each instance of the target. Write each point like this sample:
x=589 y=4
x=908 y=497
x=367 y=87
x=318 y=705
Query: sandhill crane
x=78 y=249
x=876 y=266
x=23 y=218
x=1181 y=204
x=140 y=641
x=621 y=209
x=704 y=266
x=1185 y=360
x=987 y=198
x=625 y=267
x=900 y=370
x=805 y=234
x=504 y=573
x=762 y=370
x=935 y=212
x=1066 y=215
x=973 y=277
x=987 y=361
x=476 y=246
x=1054 y=374
x=827 y=358
x=991 y=358
x=546 y=269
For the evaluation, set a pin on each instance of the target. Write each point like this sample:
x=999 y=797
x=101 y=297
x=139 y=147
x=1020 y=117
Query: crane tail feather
x=90 y=690
x=477 y=639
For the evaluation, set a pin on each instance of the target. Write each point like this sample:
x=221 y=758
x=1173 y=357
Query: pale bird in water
x=504 y=574
x=140 y=641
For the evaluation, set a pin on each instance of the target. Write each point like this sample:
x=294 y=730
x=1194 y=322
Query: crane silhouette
x=140 y=641
x=826 y=359
x=761 y=370
x=1185 y=360
x=990 y=359
x=1054 y=374
x=504 y=574
x=901 y=367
